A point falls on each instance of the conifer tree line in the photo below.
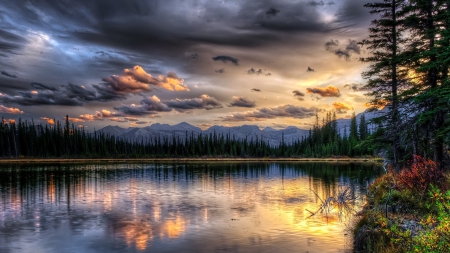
(24, 139)
(409, 43)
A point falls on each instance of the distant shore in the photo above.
(207, 159)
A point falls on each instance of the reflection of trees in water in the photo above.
(79, 193)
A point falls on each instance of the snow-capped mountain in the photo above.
(251, 132)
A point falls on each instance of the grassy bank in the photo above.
(407, 211)
(203, 159)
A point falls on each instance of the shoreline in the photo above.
(209, 159)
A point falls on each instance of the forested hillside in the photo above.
(25, 139)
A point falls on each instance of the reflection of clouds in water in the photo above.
(140, 234)
(140, 207)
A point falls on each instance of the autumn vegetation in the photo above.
(408, 209)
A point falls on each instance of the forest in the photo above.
(24, 139)
(409, 45)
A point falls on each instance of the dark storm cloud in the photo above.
(8, 74)
(148, 106)
(346, 51)
(132, 81)
(204, 102)
(329, 91)
(272, 12)
(169, 28)
(41, 97)
(9, 41)
(284, 111)
(242, 102)
(79, 92)
(69, 95)
(225, 59)
(299, 95)
(256, 90)
(40, 86)
(353, 14)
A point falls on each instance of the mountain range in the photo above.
(251, 132)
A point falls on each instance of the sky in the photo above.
(271, 63)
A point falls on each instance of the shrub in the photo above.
(420, 175)
(436, 237)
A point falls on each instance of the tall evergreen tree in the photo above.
(385, 76)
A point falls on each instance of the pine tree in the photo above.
(385, 76)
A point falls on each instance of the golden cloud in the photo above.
(329, 91)
(48, 120)
(341, 107)
(4, 109)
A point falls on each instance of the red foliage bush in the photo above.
(420, 175)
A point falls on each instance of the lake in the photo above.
(179, 207)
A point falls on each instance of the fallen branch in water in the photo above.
(342, 200)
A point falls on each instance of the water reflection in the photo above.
(175, 207)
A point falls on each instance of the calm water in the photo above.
(214, 207)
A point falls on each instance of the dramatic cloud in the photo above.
(136, 80)
(354, 86)
(226, 59)
(152, 105)
(48, 120)
(40, 86)
(133, 81)
(10, 110)
(242, 102)
(346, 51)
(8, 74)
(299, 95)
(79, 93)
(204, 102)
(272, 12)
(40, 97)
(103, 53)
(341, 108)
(148, 106)
(290, 111)
(310, 70)
(329, 91)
